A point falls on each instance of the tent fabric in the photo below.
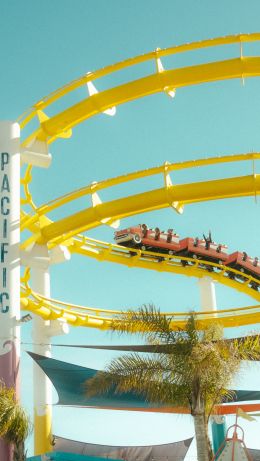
(150, 348)
(68, 380)
(167, 452)
(61, 456)
(255, 454)
(67, 456)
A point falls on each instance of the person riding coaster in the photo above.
(205, 249)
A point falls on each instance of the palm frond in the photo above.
(247, 348)
(194, 368)
(19, 427)
(14, 423)
(148, 322)
(149, 377)
(127, 373)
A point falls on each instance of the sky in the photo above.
(45, 45)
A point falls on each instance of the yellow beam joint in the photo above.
(177, 206)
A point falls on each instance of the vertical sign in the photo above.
(5, 225)
(9, 259)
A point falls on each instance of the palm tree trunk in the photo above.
(201, 436)
(19, 452)
(210, 451)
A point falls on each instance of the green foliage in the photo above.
(195, 369)
(148, 322)
(14, 423)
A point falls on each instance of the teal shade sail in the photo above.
(69, 380)
(60, 456)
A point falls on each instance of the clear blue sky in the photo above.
(47, 44)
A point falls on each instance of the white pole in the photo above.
(209, 303)
(207, 294)
(42, 387)
(39, 258)
(9, 259)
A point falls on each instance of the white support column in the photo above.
(40, 259)
(207, 294)
(37, 154)
(209, 303)
(42, 387)
(9, 260)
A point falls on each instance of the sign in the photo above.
(4, 230)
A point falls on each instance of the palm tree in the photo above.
(14, 423)
(189, 367)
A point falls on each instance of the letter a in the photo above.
(5, 184)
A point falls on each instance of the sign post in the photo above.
(9, 260)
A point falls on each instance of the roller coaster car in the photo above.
(203, 249)
(148, 239)
(244, 263)
(169, 242)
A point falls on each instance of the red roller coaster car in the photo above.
(205, 249)
(169, 242)
(246, 264)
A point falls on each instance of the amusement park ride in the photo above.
(203, 249)
(45, 242)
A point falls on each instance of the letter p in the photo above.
(4, 160)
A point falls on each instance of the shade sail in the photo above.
(255, 454)
(150, 348)
(68, 456)
(68, 380)
(63, 456)
(166, 452)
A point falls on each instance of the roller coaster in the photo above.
(55, 117)
(100, 318)
(68, 231)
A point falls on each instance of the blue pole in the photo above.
(219, 429)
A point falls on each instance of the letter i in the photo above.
(5, 229)
(4, 277)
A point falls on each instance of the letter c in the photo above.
(5, 211)
(4, 308)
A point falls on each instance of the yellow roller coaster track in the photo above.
(67, 231)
